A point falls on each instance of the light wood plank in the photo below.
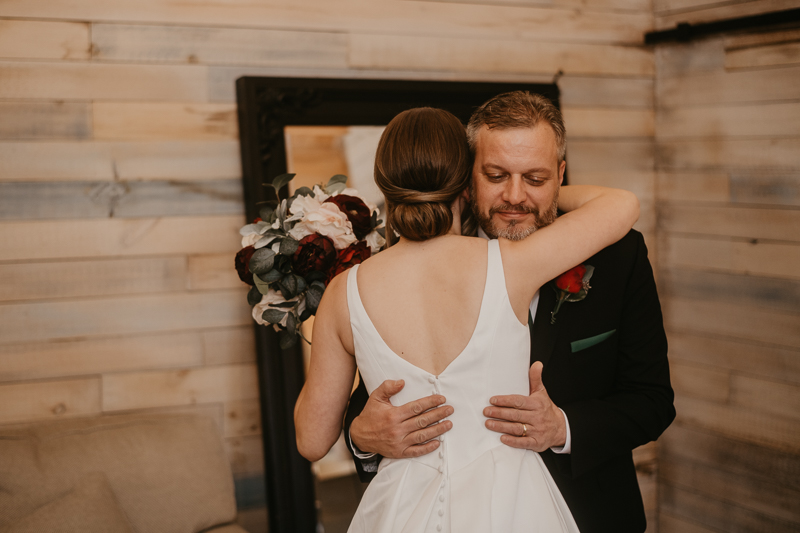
(764, 56)
(707, 11)
(714, 154)
(246, 455)
(79, 161)
(593, 122)
(71, 279)
(594, 5)
(49, 399)
(229, 345)
(606, 92)
(668, 523)
(157, 388)
(119, 237)
(774, 119)
(719, 87)
(769, 498)
(757, 186)
(147, 121)
(774, 362)
(693, 186)
(610, 156)
(700, 382)
(32, 39)
(696, 57)
(242, 418)
(438, 53)
(380, 16)
(736, 256)
(772, 397)
(218, 46)
(37, 360)
(45, 120)
(124, 315)
(730, 320)
(180, 198)
(97, 81)
(739, 41)
(208, 410)
(743, 222)
(53, 200)
(213, 272)
(640, 183)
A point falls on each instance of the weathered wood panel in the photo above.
(700, 382)
(213, 272)
(693, 186)
(714, 154)
(180, 198)
(759, 359)
(699, 11)
(737, 256)
(611, 92)
(471, 55)
(128, 315)
(668, 523)
(218, 46)
(383, 16)
(594, 5)
(36, 360)
(745, 186)
(731, 320)
(242, 418)
(764, 56)
(764, 119)
(640, 182)
(33, 39)
(146, 121)
(604, 123)
(229, 345)
(773, 397)
(610, 156)
(45, 120)
(98, 81)
(28, 241)
(49, 200)
(246, 455)
(744, 222)
(49, 399)
(76, 279)
(80, 161)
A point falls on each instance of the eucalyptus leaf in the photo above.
(289, 246)
(301, 283)
(261, 285)
(284, 305)
(262, 261)
(305, 315)
(273, 316)
(291, 322)
(303, 191)
(263, 242)
(381, 232)
(338, 178)
(253, 296)
(287, 340)
(283, 264)
(278, 182)
(272, 276)
(314, 295)
(316, 275)
(288, 286)
(266, 212)
(336, 187)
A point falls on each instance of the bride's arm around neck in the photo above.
(595, 218)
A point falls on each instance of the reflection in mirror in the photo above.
(315, 153)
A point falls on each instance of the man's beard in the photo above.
(513, 231)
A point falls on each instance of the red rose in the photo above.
(571, 280)
(350, 256)
(315, 252)
(357, 213)
(242, 263)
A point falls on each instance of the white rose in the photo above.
(319, 194)
(327, 220)
(303, 205)
(275, 297)
(375, 242)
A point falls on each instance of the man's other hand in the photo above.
(532, 422)
(409, 430)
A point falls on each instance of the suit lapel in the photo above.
(543, 333)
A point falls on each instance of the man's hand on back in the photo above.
(410, 430)
(532, 422)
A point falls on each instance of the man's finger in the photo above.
(515, 401)
(507, 413)
(514, 429)
(431, 432)
(420, 449)
(427, 418)
(535, 376)
(417, 407)
(387, 389)
(526, 443)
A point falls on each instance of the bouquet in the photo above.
(298, 245)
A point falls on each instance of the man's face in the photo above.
(515, 180)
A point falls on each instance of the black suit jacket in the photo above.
(616, 393)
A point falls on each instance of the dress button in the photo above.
(431, 380)
(441, 497)
(441, 469)
(441, 455)
(441, 512)
(439, 527)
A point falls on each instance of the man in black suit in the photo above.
(602, 387)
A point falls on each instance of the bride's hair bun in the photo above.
(422, 164)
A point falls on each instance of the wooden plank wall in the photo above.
(728, 201)
(119, 172)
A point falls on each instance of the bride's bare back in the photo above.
(424, 298)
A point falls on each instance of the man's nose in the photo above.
(514, 192)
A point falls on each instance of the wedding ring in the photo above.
(524, 430)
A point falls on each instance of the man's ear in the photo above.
(465, 194)
(561, 168)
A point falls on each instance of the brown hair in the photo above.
(422, 164)
(518, 109)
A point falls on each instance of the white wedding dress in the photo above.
(473, 482)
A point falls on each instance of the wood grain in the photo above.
(28, 241)
(36, 360)
(33, 39)
(49, 399)
(604, 123)
(123, 315)
(773, 397)
(755, 223)
(594, 5)
(80, 279)
(700, 382)
(693, 186)
(610, 156)
(765, 119)
(668, 523)
(229, 345)
(242, 418)
(147, 121)
(45, 120)
(213, 271)
(606, 92)
(156, 388)
(246, 455)
(764, 56)
(716, 154)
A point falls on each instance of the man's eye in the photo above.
(495, 176)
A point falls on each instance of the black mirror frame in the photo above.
(265, 106)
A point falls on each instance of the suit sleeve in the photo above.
(366, 469)
(640, 405)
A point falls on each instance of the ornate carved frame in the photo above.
(265, 107)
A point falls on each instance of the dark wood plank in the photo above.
(45, 120)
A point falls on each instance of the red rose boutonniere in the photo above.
(572, 286)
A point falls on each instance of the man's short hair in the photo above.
(518, 109)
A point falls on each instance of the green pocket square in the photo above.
(582, 344)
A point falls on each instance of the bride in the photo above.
(448, 315)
